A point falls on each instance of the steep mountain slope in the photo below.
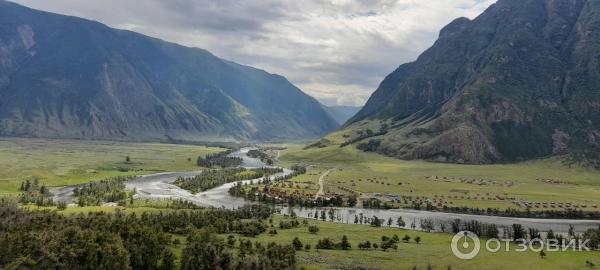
(341, 114)
(520, 81)
(68, 77)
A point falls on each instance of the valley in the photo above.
(336, 163)
(534, 186)
(123, 151)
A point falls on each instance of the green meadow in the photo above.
(433, 250)
(547, 180)
(67, 162)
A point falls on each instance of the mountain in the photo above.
(341, 114)
(67, 77)
(520, 81)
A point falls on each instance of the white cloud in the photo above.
(335, 50)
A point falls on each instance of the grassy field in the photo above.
(500, 186)
(66, 162)
(307, 182)
(433, 250)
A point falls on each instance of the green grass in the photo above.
(434, 250)
(361, 171)
(67, 162)
(307, 182)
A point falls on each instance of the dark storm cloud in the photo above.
(336, 50)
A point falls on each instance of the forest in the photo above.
(264, 157)
(49, 240)
(220, 159)
(213, 178)
(103, 191)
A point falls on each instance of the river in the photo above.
(159, 186)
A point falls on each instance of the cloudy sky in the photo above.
(335, 50)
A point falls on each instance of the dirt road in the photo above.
(321, 179)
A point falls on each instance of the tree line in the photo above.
(206, 250)
(220, 159)
(515, 232)
(254, 193)
(263, 195)
(365, 134)
(32, 191)
(214, 178)
(296, 170)
(103, 191)
(511, 212)
(264, 157)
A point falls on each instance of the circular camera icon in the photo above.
(465, 245)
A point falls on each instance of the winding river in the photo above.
(159, 186)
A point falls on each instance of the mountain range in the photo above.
(489, 90)
(67, 77)
(520, 81)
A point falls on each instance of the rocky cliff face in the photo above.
(67, 77)
(520, 81)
